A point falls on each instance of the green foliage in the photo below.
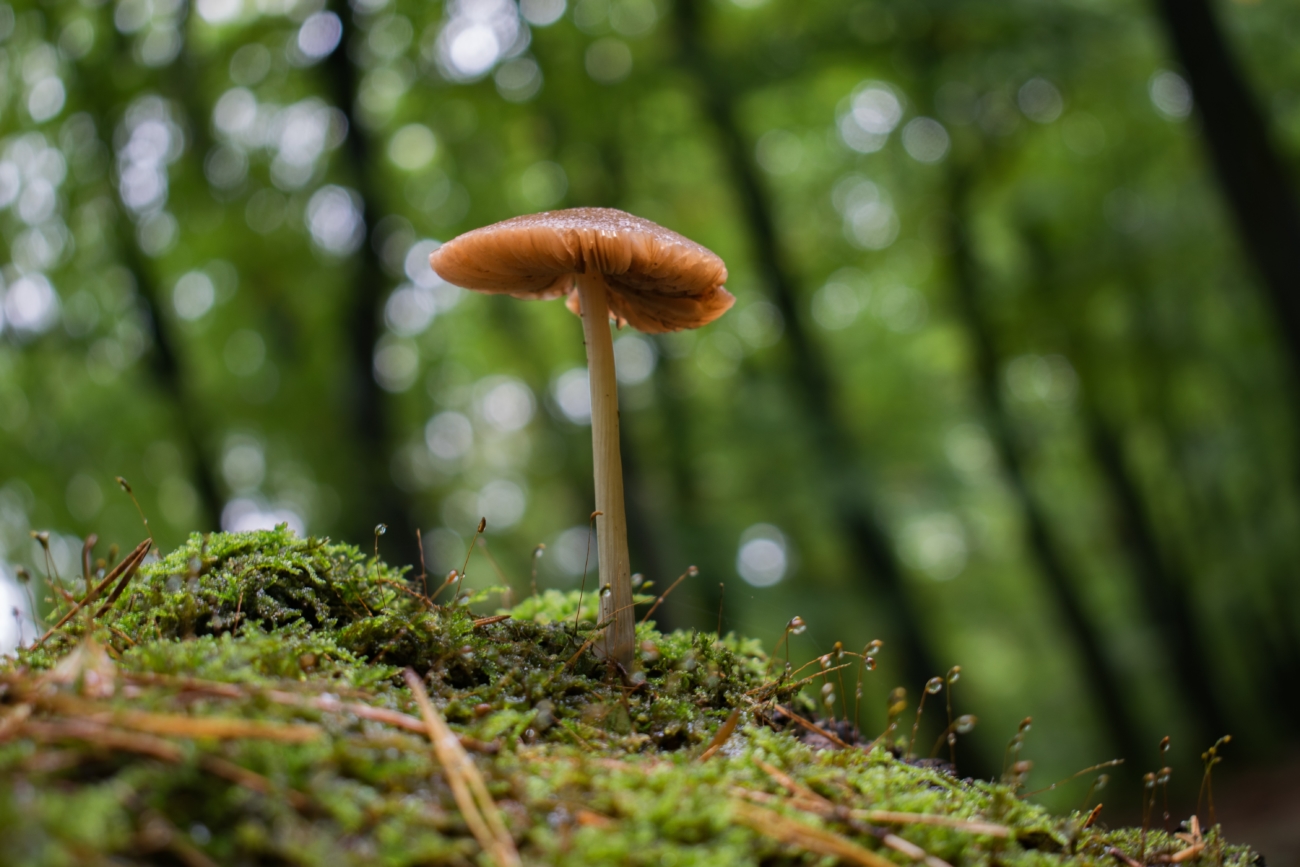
(589, 766)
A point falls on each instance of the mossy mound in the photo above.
(243, 702)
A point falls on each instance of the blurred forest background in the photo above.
(1012, 380)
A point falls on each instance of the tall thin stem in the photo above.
(611, 524)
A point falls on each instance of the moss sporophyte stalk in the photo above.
(260, 698)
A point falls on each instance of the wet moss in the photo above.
(101, 759)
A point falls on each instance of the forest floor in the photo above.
(264, 699)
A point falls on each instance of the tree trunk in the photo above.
(164, 360)
(1163, 588)
(1097, 669)
(378, 499)
(1254, 180)
(850, 496)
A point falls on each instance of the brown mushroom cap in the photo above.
(659, 281)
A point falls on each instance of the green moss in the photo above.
(590, 765)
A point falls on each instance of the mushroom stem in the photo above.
(611, 524)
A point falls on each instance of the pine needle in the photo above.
(889, 817)
(476, 805)
(724, 733)
(813, 727)
(772, 824)
(177, 725)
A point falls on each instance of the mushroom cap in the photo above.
(659, 281)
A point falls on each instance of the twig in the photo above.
(476, 805)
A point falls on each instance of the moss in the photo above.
(99, 762)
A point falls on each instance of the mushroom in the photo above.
(611, 266)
